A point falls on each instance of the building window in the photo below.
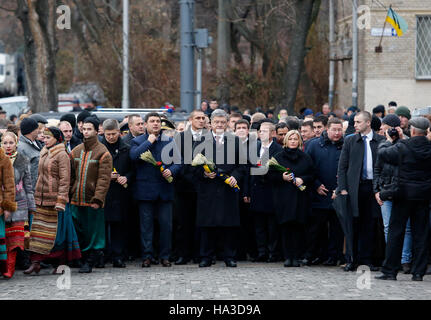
(423, 47)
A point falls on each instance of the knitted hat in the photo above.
(94, 121)
(28, 125)
(69, 117)
(420, 123)
(392, 120)
(403, 111)
(82, 115)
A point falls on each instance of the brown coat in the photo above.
(7, 184)
(91, 165)
(52, 187)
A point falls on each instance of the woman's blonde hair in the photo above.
(290, 133)
(10, 134)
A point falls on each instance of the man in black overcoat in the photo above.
(355, 177)
(217, 201)
(119, 195)
(246, 236)
(187, 236)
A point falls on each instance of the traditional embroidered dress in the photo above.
(53, 236)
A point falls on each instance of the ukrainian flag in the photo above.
(399, 24)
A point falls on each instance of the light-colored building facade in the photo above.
(401, 72)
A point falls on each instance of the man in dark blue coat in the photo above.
(325, 152)
(154, 193)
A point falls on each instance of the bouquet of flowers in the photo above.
(147, 156)
(115, 171)
(273, 164)
(209, 167)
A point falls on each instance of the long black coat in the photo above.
(350, 168)
(261, 199)
(217, 202)
(291, 204)
(118, 198)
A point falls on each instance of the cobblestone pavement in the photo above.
(249, 281)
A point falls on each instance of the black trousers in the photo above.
(246, 238)
(418, 212)
(291, 237)
(133, 239)
(186, 233)
(115, 240)
(364, 225)
(209, 237)
(267, 233)
(324, 235)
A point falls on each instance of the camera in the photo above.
(393, 133)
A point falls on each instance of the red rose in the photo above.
(159, 163)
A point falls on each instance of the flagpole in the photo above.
(379, 49)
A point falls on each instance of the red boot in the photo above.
(11, 260)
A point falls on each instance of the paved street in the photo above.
(248, 281)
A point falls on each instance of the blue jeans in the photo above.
(148, 210)
(406, 256)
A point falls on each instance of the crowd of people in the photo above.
(338, 188)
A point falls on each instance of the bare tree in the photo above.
(306, 12)
(38, 19)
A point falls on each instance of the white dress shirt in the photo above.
(369, 155)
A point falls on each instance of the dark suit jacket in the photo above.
(186, 146)
(128, 138)
(350, 166)
(261, 187)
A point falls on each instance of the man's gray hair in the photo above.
(110, 124)
(219, 113)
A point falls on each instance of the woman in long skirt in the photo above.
(24, 196)
(52, 235)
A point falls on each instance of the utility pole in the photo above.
(198, 79)
(125, 102)
(355, 54)
(331, 54)
(187, 54)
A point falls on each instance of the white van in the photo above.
(14, 105)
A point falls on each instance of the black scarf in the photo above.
(291, 154)
(112, 147)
